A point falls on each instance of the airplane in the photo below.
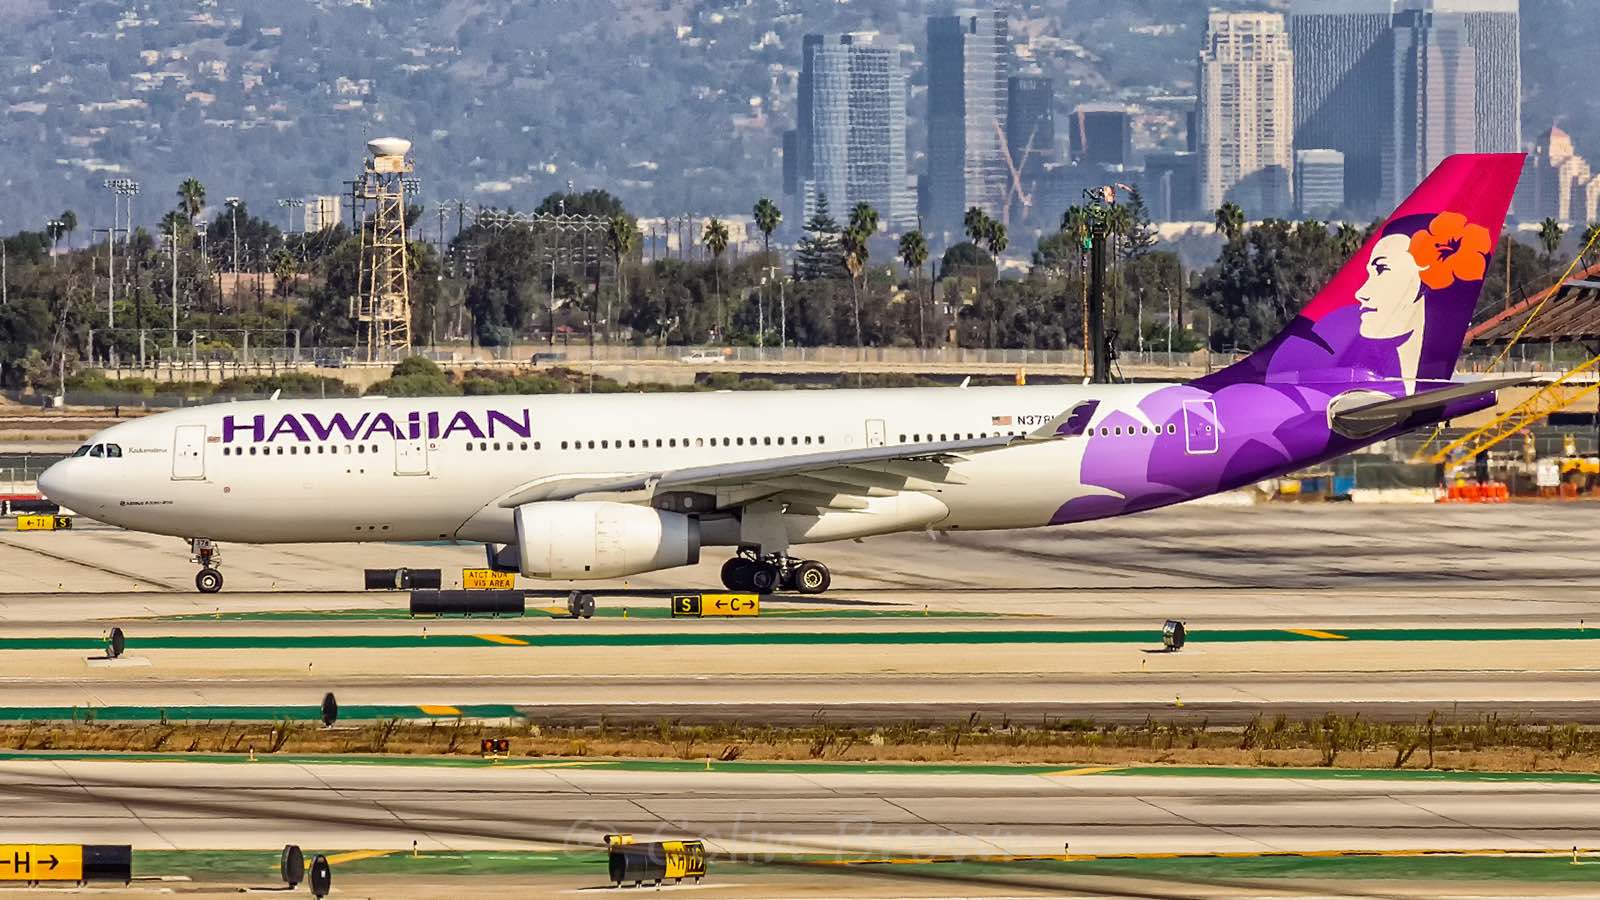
(585, 487)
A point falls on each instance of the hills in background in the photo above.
(674, 105)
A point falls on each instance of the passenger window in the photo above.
(822, 439)
(808, 438)
(699, 442)
(252, 451)
(780, 440)
(766, 441)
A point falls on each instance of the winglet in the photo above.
(1072, 422)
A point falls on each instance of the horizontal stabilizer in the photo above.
(1362, 413)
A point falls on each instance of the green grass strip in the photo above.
(689, 637)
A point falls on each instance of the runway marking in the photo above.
(354, 855)
(439, 710)
(1319, 635)
(576, 764)
(502, 639)
(1087, 770)
(1221, 854)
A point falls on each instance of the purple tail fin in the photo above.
(1398, 310)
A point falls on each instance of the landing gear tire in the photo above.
(811, 577)
(208, 581)
(736, 574)
(764, 577)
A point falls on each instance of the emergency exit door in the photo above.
(189, 453)
(1200, 426)
(875, 433)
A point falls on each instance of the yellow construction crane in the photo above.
(1552, 398)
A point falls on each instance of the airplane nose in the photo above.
(50, 482)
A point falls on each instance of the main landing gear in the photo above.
(205, 553)
(774, 572)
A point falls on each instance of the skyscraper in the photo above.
(1319, 182)
(1030, 138)
(1494, 31)
(1435, 97)
(1101, 134)
(1343, 86)
(857, 125)
(968, 60)
(1246, 113)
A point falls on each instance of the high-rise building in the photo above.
(323, 211)
(1494, 32)
(1246, 113)
(1435, 94)
(1319, 182)
(968, 61)
(1558, 183)
(1101, 134)
(1343, 86)
(1171, 186)
(857, 126)
(1030, 139)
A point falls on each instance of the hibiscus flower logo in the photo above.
(1451, 249)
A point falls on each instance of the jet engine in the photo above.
(588, 540)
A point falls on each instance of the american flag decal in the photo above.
(1000, 420)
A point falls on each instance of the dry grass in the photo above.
(1487, 744)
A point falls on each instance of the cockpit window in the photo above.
(81, 451)
(114, 451)
(98, 450)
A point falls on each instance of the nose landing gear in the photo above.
(774, 572)
(202, 551)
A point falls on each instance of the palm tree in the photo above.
(191, 198)
(1075, 222)
(1591, 237)
(975, 223)
(283, 270)
(1347, 239)
(767, 216)
(997, 239)
(622, 235)
(914, 253)
(715, 238)
(1550, 233)
(863, 225)
(69, 224)
(1230, 220)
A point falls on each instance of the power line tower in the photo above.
(382, 306)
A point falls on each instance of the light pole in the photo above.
(55, 226)
(233, 207)
(172, 238)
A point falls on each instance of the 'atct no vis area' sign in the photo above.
(66, 862)
(705, 606)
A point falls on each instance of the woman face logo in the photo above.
(1391, 299)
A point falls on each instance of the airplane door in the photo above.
(189, 453)
(1200, 426)
(410, 457)
(875, 435)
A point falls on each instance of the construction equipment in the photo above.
(1552, 398)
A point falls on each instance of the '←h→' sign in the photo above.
(41, 862)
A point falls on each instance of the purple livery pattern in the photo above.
(1391, 322)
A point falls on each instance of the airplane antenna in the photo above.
(966, 381)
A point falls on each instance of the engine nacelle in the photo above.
(587, 540)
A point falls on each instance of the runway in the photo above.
(755, 814)
(1291, 610)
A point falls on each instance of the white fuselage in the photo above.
(436, 468)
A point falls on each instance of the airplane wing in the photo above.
(1363, 413)
(831, 479)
